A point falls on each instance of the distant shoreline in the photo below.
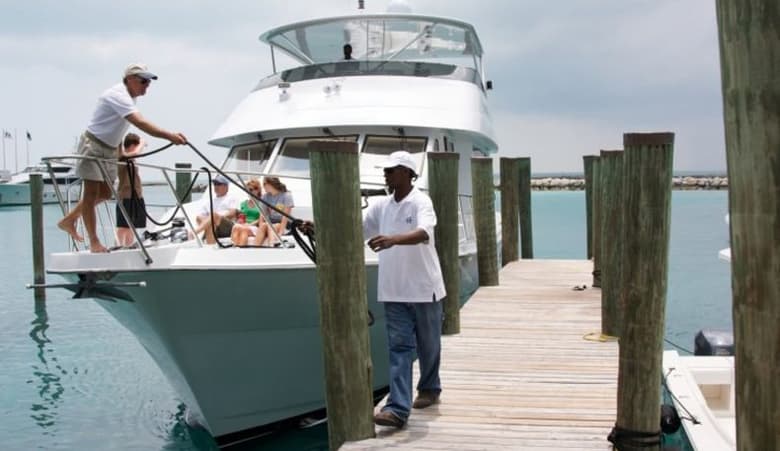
(577, 183)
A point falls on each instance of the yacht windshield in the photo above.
(380, 38)
(249, 158)
(293, 159)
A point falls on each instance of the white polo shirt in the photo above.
(222, 204)
(407, 273)
(108, 122)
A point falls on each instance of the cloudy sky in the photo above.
(570, 76)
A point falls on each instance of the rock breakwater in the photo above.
(678, 182)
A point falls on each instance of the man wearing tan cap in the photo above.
(113, 115)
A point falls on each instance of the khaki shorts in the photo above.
(89, 146)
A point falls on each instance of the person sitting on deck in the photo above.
(251, 225)
(225, 207)
(276, 194)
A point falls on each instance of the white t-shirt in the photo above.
(407, 273)
(108, 122)
(222, 205)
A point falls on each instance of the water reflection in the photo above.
(47, 374)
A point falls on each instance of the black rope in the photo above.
(678, 346)
(131, 171)
(690, 416)
(621, 437)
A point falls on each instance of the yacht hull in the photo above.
(242, 348)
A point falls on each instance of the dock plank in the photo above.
(521, 374)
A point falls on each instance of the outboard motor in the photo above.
(713, 342)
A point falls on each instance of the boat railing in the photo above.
(106, 218)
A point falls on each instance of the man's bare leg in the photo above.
(68, 222)
(94, 193)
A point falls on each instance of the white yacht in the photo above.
(236, 330)
(15, 188)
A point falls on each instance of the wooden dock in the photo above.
(520, 375)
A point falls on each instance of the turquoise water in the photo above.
(72, 378)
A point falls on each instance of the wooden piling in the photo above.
(443, 186)
(647, 165)
(526, 232)
(484, 206)
(611, 175)
(510, 209)
(588, 162)
(597, 217)
(341, 282)
(183, 180)
(749, 58)
(36, 221)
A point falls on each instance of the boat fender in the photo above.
(670, 419)
(713, 342)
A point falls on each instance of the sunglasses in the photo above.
(144, 81)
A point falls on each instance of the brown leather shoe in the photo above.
(425, 399)
(387, 418)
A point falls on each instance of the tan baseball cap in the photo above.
(140, 70)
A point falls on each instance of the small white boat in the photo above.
(703, 394)
(15, 190)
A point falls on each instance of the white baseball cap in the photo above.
(400, 158)
(140, 70)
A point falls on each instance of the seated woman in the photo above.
(250, 208)
(276, 194)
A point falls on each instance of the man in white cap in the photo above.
(410, 285)
(112, 117)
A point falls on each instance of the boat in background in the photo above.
(725, 254)
(236, 330)
(15, 189)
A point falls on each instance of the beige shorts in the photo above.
(89, 146)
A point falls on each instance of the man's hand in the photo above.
(306, 227)
(177, 138)
(381, 242)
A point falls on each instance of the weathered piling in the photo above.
(611, 175)
(443, 186)
(526, 232)
(36, 222)
(749, 58)
(484, 207)
(647, 165)
(588, 162)
(597, 217)
(341, 282)
(183, 180)
(510, 209)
